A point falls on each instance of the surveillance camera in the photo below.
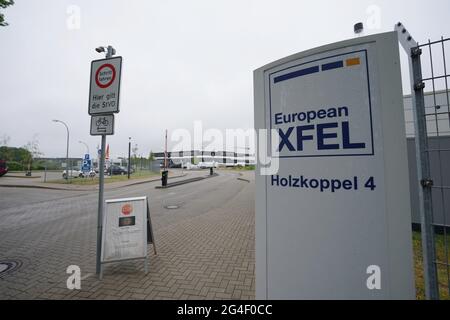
(358, 27)
(100, 49)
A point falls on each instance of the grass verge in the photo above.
(418, 266)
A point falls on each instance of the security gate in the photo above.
(430, 118)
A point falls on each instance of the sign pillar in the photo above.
(333, 216)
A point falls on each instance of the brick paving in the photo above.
(206, 252)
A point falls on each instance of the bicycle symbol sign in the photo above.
(102, 125)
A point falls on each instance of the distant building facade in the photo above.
(222, 158)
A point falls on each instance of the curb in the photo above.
(95, 187)
(22, 177)
(242, 179)
(179, 183)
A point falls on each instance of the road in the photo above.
(205, 247)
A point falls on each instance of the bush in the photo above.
(14, 166)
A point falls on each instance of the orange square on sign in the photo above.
(352, 62)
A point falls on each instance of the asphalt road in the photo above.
(47, 230)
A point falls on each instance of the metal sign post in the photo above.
(100, 204)
(104, 95)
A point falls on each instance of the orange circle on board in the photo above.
(127, 209)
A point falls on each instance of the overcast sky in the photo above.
(183, 60)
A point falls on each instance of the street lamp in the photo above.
(67, 151)
(87, 147)
(129, 156)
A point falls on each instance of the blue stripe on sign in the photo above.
(332, 65)
(296, 74)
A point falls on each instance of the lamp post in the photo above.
(87, 147)
(67, 151)
(129, 156)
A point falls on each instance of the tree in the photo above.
(134, 150)
(151, 156)
(33, 151)
(4, 140)
(6, 152)
(3, 5)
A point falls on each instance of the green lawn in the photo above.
(418, 266)
(240, 168)
(108, 179)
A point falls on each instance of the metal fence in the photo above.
(435, 77)
(431, 119)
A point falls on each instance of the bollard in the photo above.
(164, 176)
(211, 171)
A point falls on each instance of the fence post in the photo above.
(422, 161)
(424, 176)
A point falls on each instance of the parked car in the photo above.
(174, 165)
(126, 169)
(206, 165)
(3, 168)
(90, 174)
(105, 171)
(75, 173)
(114, 170)
(170, 164)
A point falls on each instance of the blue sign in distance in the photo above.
(86, 156)
(86, 166)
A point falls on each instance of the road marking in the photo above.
(86, 276)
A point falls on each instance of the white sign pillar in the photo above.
(334, 221)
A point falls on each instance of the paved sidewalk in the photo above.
(205, 251)
(211, 257)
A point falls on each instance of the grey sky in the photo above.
(183, 60)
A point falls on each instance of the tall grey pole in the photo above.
(67, 150)
(85, 144)
(109, 53)
(67, 154)
(422, 161)
(100, 203)
(129, 156)
(424, 175)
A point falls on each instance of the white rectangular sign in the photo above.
(104, 91)
(317, 123)
(124, 229)
(102, 124)
(334, 221)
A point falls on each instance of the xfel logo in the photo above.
(314, 123)
(334, 135)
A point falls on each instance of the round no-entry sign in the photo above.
(104, 88)
(105, 75)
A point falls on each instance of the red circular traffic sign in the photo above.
(109, 78)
